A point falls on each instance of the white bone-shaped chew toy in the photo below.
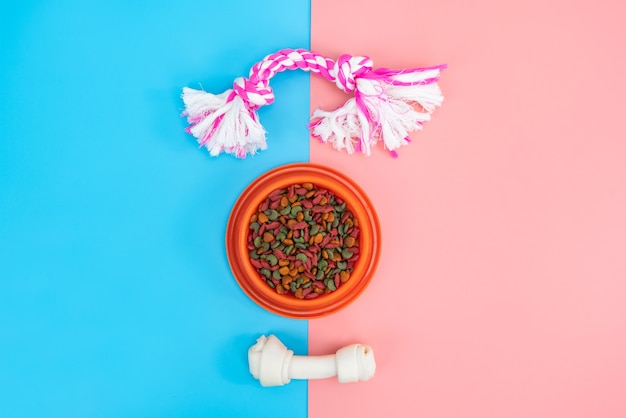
(274, 365)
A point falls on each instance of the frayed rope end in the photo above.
(388, 105)
(223, 123)
(343, 128)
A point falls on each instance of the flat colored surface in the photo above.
(502, 282)
(116, 299)
(501, 287)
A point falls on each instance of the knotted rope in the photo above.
(387, 104)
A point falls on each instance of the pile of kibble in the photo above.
(303, 241)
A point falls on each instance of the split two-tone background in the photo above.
(502, 284)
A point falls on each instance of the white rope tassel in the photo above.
(384, 108)
(221, 125)
(343, 127)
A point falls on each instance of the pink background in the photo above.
(501, 290)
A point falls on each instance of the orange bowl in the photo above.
(239, 227)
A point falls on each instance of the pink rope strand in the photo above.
(286, 59)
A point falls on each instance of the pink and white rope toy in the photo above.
(387, 104)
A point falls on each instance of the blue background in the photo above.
(116, 299)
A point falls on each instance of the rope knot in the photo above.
(347, 68)
(254, 95)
